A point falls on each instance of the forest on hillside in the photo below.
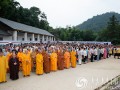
(96, 23)
(12, 10)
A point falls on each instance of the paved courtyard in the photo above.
(83, 77)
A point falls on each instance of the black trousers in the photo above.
(100, 56)
(95, 57)
(91, 57)
(107, 55)
(85, 57)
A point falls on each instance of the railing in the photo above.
(77, 42)
(111, 84)
(19, 42)
(85, 42)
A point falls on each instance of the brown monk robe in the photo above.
(43, 51)
(46, 63)
(33, 60)
(60, 59)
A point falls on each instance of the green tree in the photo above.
(112, 27)
(112, 32)
(89, 35)
(12, 10)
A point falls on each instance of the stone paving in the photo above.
(84, 77)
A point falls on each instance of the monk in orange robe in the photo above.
(53, 59)
(39, 63)
(26, 63)
(73, 58)
(20, 56)
(67, 59)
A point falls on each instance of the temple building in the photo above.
(11, 31)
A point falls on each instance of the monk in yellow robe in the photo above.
(29, 50)
(67, 59)
(3, 67)
(20, 56)
(73, 58)
(33, 59)
(110, 51)
(53, 60)
(8, 56)
(118, 52)
(26, 64)
(39, 63)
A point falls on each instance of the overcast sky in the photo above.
(61, 13)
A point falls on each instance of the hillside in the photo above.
(98, 22)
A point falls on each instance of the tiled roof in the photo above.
(23, 27)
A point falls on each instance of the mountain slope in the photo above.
(98, 22)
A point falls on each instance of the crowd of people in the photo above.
(45, 58)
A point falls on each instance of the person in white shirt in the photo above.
(89, 54)
(85, 55)
(95, 53)
(92, 54)
(79, 56)
(102, 52)
(82, 53)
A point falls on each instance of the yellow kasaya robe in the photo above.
(73, 59)
(110, 51)
(67, 59)
(8, 56)
(3, 68)
(20, 56)
(118, 51)
(29, 51)
(39, 64)
(114, 51)
(26, 64)
(53, 61)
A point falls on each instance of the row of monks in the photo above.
(45, 62)
(38, 61)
